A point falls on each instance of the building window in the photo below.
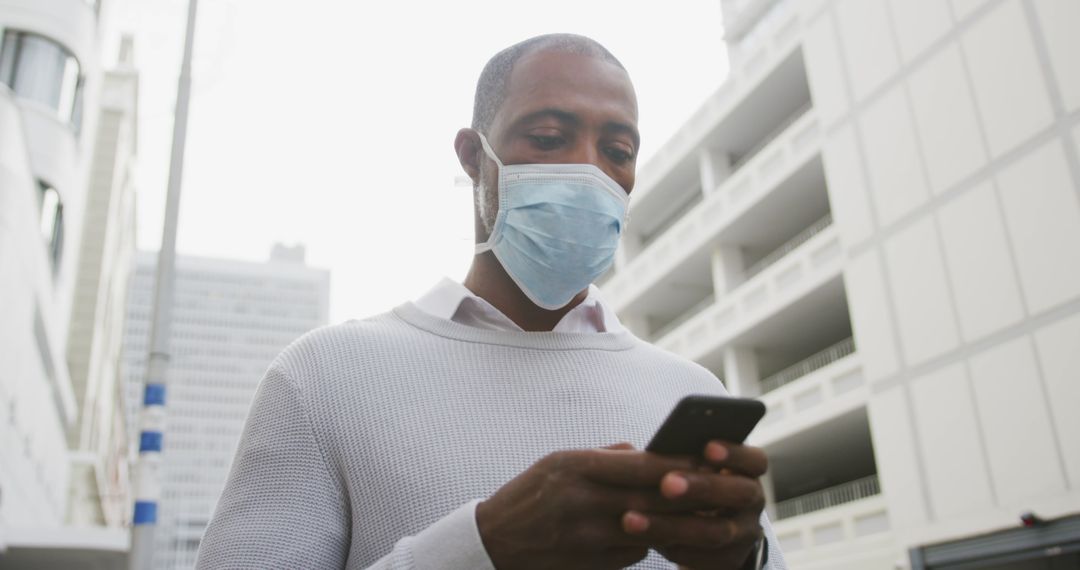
(41, 70)
(51, 222)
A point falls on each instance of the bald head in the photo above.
(492, 87)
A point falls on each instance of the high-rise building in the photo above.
(100, 485)
(230, 319)
(51, 83)
(874, 227)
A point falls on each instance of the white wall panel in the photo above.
(1019, 439)
(945, 116)
(1043, 217)
(870, 320)
(978, 262)
(1057, 348)
(867, 43)
(1076, 146)
(956, 471)
(1008, 84)
(923, 308)
(847, 190)
(918, 24)
(964, 8)
(895, 452)
(824, 72)
(892, 157)
(1060, 20)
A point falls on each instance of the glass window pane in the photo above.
(50, 203)
(56, 244)
(41, 70)
(7, 57)
(51, 222)
(68, 85)
(39, 73)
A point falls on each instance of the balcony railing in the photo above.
(827, 498)
(786, 248)
(685, 316)
(808, 365)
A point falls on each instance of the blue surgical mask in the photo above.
(557, 228)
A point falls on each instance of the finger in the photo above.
(743, 459)
(594, 534)
(628, 468)
(714, 491)
(615, 500)
(619, 446)
(666, 530)
(620, 557)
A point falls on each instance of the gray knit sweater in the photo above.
(369, 443)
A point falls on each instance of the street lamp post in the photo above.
(152, 417)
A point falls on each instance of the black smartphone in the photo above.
(697, 420)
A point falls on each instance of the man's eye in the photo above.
(619, 156)
(546, 142)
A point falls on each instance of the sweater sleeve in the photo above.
(774, 556)
(452, 542)
(283, 507)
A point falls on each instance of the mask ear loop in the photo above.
(490, 243)
(488, 151)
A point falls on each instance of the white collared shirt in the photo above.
(451, 300)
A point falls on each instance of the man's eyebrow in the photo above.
(561, 115)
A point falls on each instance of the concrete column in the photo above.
(715, 167)
(727, 269)
(770, 496)
(741, 372)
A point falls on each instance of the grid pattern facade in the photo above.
(230, 320)
(873, 226)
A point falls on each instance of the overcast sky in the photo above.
(331, 122)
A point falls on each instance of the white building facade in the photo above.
(230, 320)
(51, 80)
(874, 227)
(99, 492)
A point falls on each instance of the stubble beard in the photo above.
(487, 204)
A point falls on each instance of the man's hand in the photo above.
(721, 535)
(565, 511)
(605, 508)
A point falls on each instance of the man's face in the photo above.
(566, 108)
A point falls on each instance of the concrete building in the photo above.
(99, 492)
(230, 320)
(51, 81)
(874, 227)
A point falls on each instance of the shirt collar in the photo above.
(452, 301)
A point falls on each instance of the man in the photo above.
(478, 426)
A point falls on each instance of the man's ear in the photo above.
(468, 149)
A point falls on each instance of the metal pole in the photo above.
(152, 418)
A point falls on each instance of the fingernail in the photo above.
(674, 485)
(716, 452)
(635, 522)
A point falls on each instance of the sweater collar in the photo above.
(452, 301)
(547, 340)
